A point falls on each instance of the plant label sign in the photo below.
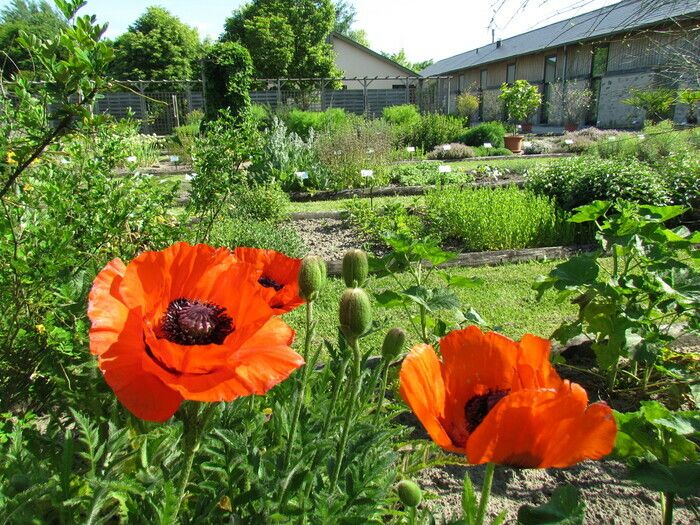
(488, 145)
(367, 173)
(302, 175)
(411, 149)
(569, 142)
(446, 147)
(445, 169)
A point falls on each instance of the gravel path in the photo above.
(328, 238)
(610, 499)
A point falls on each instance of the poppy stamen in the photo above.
(478, 407)
(270, 283)
(191, 323)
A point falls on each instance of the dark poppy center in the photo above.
(190, 323)
(478, 407)
(270, 283)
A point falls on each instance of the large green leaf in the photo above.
(580, 270)
(682, 479)
(590, 212)
(566, 507)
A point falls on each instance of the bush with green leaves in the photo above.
(402, 118)
(374, 223)
(283, 155)
(357, 145)
(486, 132)
(492, 152)
(497, 219)
(435, 129)
(576, 181)
(228, 70)
(467, 104)
(628, 311)
(261, 202)
(240, 229)
(302, 122)
(657, 103)
(426, 173)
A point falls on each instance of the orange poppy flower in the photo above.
(277, 275)
(498, 401)
(188, 322)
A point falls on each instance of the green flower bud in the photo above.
(410, 493)
(312, 277)
(355, 268)
(393, 344)
(355, 312)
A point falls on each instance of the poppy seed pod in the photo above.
(312, 277)
(410, 493)
(393, 343)
(355, 268)
(355, 312)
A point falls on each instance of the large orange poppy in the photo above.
(188, 322)
(277, 276)
(501, 401)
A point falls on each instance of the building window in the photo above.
(599, 67)
(510, 73)
(550, 76)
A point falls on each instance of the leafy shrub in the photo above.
(520, 101)
(492, 152)
(539, 147)
(477, 136)
(580, 180)
(403, 115)
(435, 129)
(260, 202)
(301, 122)
(681, 174)
(467, 104)
(456, 151)
(228, 70)
(376, 223)
(283, 154)
(656, 103)
(357, 145)
(261, 116)
(497, 219)
(425, 174)
(265, 234)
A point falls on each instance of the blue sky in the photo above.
(424, 28)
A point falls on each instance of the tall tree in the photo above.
(402, 59)
(345, 14)
(34, 18)
(158, 46)
(285, 38)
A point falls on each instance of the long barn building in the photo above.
(639, 44)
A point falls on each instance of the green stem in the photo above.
(194, 429)
(667, 499)
(485, 493)
(382, 393)
(299, 394)
(354, 391)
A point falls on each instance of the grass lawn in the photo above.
(340, 204)
(505, 300)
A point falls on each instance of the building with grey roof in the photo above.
(632, 44)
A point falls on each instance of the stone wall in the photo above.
(615, 88)
(493, 107)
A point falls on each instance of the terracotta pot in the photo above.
(570, 127)
(514, 143)
(527, 127)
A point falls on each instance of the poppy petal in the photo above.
(142, 393)
(262, 362)
(534, 369)
(106, 311)
(423, 388)
(542, 429)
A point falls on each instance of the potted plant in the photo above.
(691, 98)
(520, 100)
(575, 103)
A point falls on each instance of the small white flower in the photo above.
(641, 136)
(569, 142)
(64, 160)
(527, 144)
(367, 173)
(446, 147)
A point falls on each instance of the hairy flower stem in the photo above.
(299, 394)
(195, 426)
(355, 385)
(485, 493)
(667, 500)
(382, 393)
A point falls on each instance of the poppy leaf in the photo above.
(682, 479)
(577, 271)
(390, 299)
(590, 212)
(565, 507)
